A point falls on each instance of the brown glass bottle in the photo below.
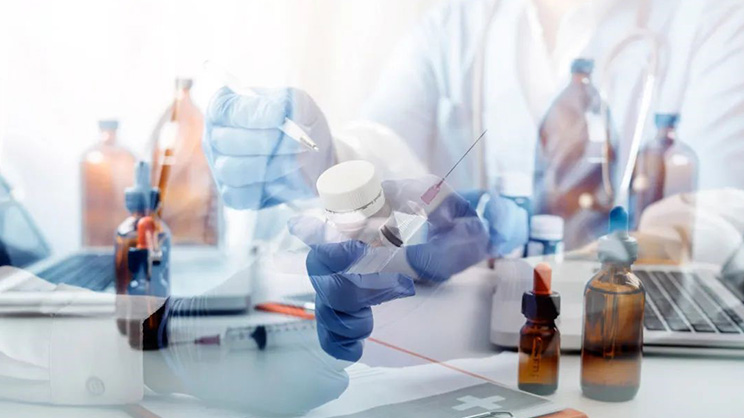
(666, 166)
(539, 338)
(614, 300)
(106, 168)
(191, 205)
(575, 159)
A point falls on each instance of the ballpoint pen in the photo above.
(290, 127)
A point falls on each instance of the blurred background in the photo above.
(65, 65)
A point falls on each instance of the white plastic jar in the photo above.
(546, 236)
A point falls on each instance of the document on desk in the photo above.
(431, 390)
(427, 390)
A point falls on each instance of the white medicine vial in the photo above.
(546, 236)
(352, 193)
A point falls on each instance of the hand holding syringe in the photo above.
(401, 226)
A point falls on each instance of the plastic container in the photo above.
(355, 203)
(546, 236)
(106, 169)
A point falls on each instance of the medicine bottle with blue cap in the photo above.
(575, 158)
(614, 302)
(666, 166)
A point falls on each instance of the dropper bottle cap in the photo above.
(141, 196)
(618, 246)
(541, 303)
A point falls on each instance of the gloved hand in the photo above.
(456, 239)
(255, 164)
(343, 300)
(507, 223)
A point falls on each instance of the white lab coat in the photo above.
(425, 94)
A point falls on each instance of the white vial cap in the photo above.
(515, 184)
(546, 227)
(352, 186)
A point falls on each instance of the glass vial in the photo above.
(614, 300)
(539, 338)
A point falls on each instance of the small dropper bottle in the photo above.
(614, 300)
(539, 338)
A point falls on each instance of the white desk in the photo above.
(452, 322)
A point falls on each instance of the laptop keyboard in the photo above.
(682, 302)
(91, 271)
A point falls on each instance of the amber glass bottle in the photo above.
(106, 170)
(180, 170)
(539, 338)
(575, 159)
(614, 301)
(666, 166)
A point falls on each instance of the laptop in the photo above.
(194, 270)
(695, 309)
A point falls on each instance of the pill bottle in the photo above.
(354, 202)
(546, 236)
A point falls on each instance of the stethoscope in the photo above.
(641, 33)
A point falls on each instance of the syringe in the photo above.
(433, 191)
(290, 127)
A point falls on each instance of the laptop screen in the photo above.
(21, 243)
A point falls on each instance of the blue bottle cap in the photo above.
(582, 66)
(108, 124)
(666, 120)
(617, 245)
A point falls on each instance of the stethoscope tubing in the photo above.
(640, 33)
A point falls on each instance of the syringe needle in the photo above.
(433, 191)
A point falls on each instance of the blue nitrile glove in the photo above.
(456, 240)
(343, 301)
(255, 164)
(507, 223)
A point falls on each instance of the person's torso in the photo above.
(521, 76)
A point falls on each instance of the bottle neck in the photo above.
(540, 322)
(108, 136)
(616, 267)
(666, 134)
(580, 78)
(183, 93)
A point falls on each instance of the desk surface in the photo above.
(452, 321)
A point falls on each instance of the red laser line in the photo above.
(431, 360)
(301, 313)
